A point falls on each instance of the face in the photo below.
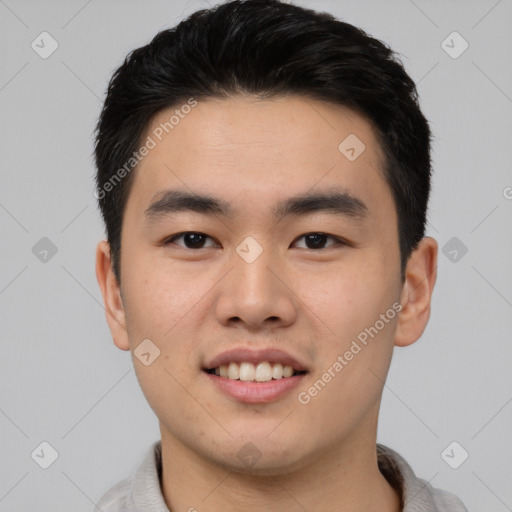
(290, 256)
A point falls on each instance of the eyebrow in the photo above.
(335, 201)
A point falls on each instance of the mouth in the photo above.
(255, 376)
(246, 371)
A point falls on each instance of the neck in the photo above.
(346, 479)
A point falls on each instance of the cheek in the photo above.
(164, 309)
(160, 294)
(357, 312)
(350, 374)
(350, 297)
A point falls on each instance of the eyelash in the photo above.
(338, 241)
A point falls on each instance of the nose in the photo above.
(257, 294)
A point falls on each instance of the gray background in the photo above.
(61, 378)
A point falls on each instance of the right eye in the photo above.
(191, 240)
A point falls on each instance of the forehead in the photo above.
(248, 150)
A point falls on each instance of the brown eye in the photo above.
(318, 240)
(191, 240)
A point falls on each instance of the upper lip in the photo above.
(244, 354)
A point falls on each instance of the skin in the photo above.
(196, 303)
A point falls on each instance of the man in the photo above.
(264, 174)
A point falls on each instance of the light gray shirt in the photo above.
(142, 493)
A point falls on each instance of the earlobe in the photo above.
(420, 278)
(112, 298)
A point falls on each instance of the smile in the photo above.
(248, 372)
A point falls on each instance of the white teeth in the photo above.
(247, 371)
(262, 372)
(277, 371)
(233, 371)
(287, 371)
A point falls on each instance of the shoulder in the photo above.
(116, 498)
(141, 491)
(417, 494)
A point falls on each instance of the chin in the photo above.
(263, 465)
(260, 456)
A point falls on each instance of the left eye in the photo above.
(317, 240)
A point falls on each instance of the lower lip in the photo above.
(256, 392)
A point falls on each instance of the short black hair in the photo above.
(266, 48)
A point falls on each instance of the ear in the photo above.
(111, 291)
(420, 278)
